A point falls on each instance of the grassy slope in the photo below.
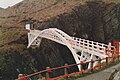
(8, 35)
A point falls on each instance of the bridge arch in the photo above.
(54, 35)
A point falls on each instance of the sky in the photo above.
(6, 3)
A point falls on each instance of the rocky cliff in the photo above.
(96, 20)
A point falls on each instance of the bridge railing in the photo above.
(49, 70)
(91, 45)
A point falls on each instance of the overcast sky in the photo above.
(6, 3)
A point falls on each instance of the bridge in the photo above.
(83, 51)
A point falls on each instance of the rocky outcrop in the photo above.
(93, 20)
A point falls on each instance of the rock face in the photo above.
(93, 20)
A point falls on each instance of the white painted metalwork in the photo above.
(81, 49)
(27, 26)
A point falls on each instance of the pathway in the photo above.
(102, 75)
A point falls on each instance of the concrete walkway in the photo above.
(102, 75)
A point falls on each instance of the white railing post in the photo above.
(83, 44)
(109, 48)
(88, 45)
(97, 46)
(92, 46)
